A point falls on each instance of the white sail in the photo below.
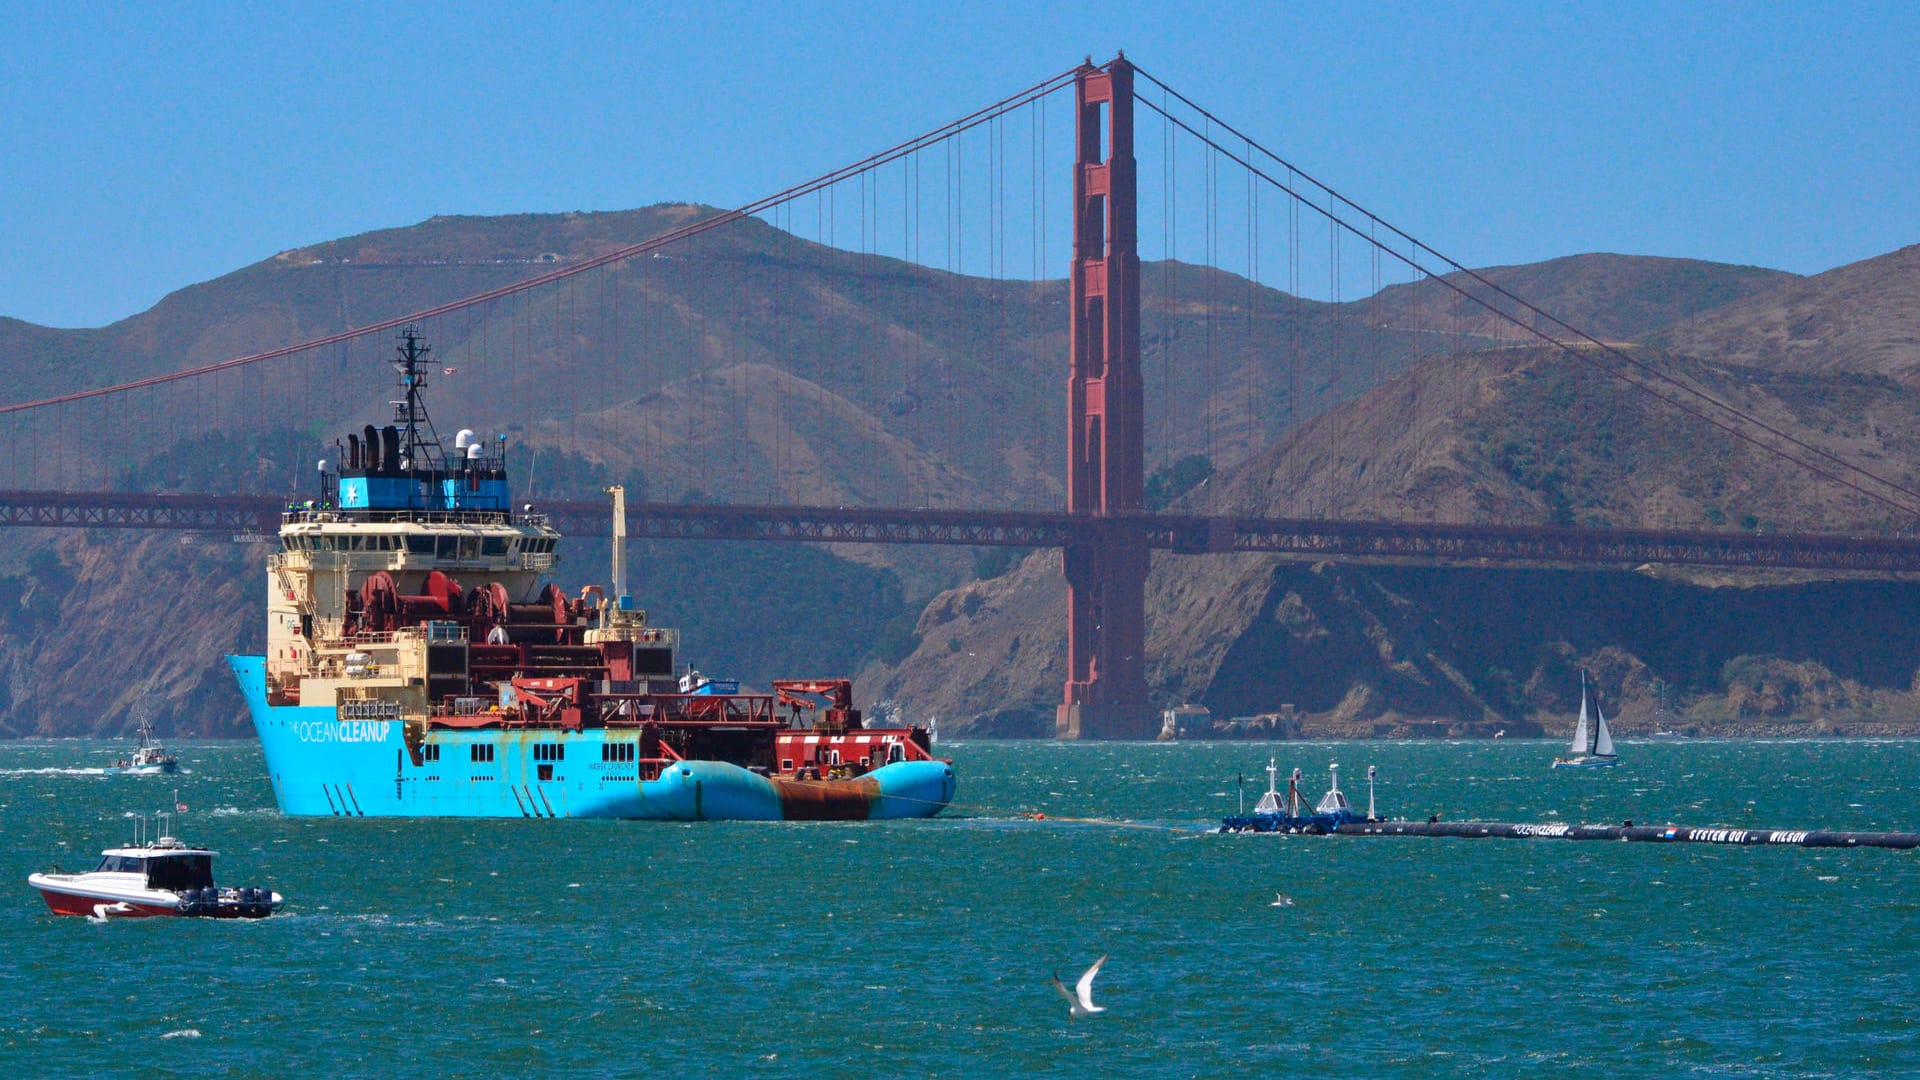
(1579, 745)
(1602, 741)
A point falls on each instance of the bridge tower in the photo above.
(1106, 567)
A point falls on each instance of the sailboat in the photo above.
(1592, 746)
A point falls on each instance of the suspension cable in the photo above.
(826, 180)
(1412, 260)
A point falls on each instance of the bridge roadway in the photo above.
(1419, 542)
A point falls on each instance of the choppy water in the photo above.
(923, 948)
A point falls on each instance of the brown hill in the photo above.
(1612, 297)
(863, 379)
(1863, 317)
(967, 369)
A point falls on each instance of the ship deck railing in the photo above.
(743, 711)
(420, 516)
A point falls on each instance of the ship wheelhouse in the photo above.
(160, 867)
(416, 589)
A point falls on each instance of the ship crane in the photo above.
(839, 716)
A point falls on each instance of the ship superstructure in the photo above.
(419, 662)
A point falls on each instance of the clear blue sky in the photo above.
(147, 147)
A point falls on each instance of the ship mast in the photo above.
(411, 412)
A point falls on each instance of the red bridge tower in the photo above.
(1106, 689)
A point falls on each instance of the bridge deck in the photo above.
(1419, 542)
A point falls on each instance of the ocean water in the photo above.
(417, 947)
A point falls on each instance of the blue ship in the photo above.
(418, 664)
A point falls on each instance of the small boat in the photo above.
(149, 758)
(1592, 746)
(159, 877)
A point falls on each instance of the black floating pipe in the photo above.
(390, 460)
(371, 461)
(353, 450)
(1654, 834)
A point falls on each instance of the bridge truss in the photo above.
(253, 518)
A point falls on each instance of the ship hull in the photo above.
(323, 766)
(65, 897)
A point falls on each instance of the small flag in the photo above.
(179, 808)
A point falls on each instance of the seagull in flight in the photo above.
(1080, 998)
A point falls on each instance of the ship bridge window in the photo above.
(180, 872)
(480, 751)
(617, 751)
(469, 547)
(549, 752)
(420, 545)
(494, 545)
(121, 864)
(449, 547)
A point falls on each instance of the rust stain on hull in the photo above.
(827, 800)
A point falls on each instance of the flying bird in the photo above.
(1080, 998)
